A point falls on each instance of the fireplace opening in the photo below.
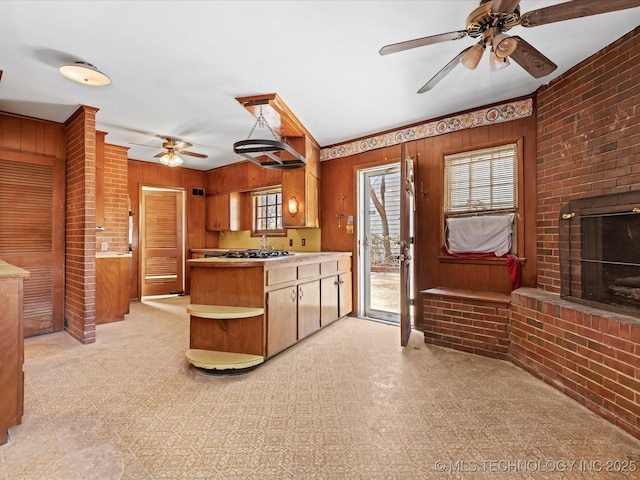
(600, 252)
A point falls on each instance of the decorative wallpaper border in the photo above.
(505, 112)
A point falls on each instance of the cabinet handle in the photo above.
(293, 295)
(301, 294)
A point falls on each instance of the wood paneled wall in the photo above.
(39, 142)
(157, 175)
(431, 270)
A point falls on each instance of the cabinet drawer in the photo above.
(281, 275)
(329, 267)
(344, 264)
(305, 271)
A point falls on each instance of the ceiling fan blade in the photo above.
(532, 60)
(191, 154)
(161, 154)
(504, 6)
(181, 144)
(443, 72)
(574, 9)
(144, 145)
(421, 42)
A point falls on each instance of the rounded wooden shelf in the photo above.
(213, 360)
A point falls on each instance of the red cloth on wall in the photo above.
(513, 263)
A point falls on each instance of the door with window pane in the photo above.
(379, 242)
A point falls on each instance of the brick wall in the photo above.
(588, 354)
(588, 140)
(80, 260)
(471, 323)
(115, 200)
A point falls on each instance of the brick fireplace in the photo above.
(588, 147)
(599, 241)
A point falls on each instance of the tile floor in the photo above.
(346, 403)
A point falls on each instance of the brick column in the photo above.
(80, 242)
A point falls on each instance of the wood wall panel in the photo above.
(340, 177)
(157, 175)
(38, 247)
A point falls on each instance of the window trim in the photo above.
(518, 224)
(280, 232)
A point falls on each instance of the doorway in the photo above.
(162, 241)
(379, 249)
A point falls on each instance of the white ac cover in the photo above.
(480, 234)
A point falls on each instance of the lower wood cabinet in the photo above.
(112, 288)
(11, 347)
(299, 294)
(308, 308)
(282, 310)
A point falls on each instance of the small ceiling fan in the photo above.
(173, 147)
(492, 19)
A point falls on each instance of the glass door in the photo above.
(379, 246)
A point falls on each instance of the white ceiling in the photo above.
(177, 66)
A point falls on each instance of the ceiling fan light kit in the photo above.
(471, 58)
(85, 73)
(494, 17)
(172, 147)
(171, 159)
(504, 45)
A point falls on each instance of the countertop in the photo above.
(112, 255)
(11, 271)
(295, 257)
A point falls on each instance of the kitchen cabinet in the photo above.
(112, 287)
(224, 212)
(218, 212)
(281, 315)
(303, 184)
(11, 347)
(291, 289)
(308, 308)
(336, 287)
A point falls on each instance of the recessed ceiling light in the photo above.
(85, 73)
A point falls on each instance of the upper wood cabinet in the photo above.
(224, 212)
(218, 212)
(304, 185)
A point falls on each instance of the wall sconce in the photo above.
(292, 206)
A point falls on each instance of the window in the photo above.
(481, 180)
(481, 199)
(267, 212)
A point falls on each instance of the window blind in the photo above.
(481, 180)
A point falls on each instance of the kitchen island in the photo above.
(299, 294)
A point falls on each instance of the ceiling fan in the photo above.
(492, 19)
(173, 147)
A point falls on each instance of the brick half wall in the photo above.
(591, 355)
(466, 320)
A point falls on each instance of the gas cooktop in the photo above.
(256, 253)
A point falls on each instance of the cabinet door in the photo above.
(329, 300)
(218, 212)
(344, 294)
(281, 319)
(308, 308)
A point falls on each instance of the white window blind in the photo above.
(481, 180)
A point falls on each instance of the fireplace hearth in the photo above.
(600, 252)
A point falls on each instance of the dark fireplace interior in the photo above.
(600, 252)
